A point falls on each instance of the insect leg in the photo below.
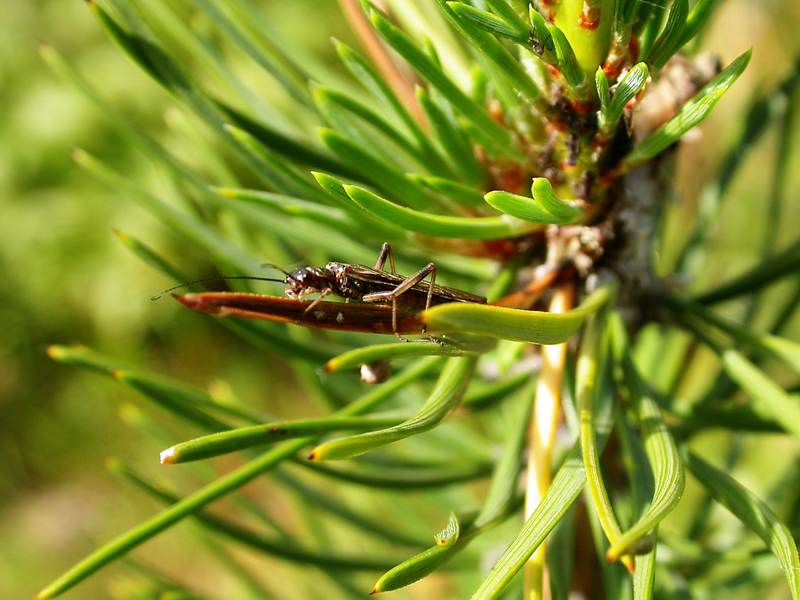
(311, 306)
(407, 284)
(386, 252)
(430, 295)
(394, 318)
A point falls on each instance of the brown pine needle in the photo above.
(400, 84)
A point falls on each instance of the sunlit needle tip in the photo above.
(113, 464)
(225, 192)
(167, 457)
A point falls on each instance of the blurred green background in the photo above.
(64, 278)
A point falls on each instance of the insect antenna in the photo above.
(207, 279)
(274, 266)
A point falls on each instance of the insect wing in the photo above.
(384, 281)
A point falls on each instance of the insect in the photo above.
(375, 285)
(404, 297)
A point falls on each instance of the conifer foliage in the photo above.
(525, 148)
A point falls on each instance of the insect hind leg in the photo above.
(408, 283)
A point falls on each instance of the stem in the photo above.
(544, 422)
(587, 26)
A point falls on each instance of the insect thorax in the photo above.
(342, 284)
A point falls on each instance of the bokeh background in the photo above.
(65, 278)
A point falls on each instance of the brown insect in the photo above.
(404, 297)
(375, 285)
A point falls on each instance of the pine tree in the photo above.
(527, 150)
